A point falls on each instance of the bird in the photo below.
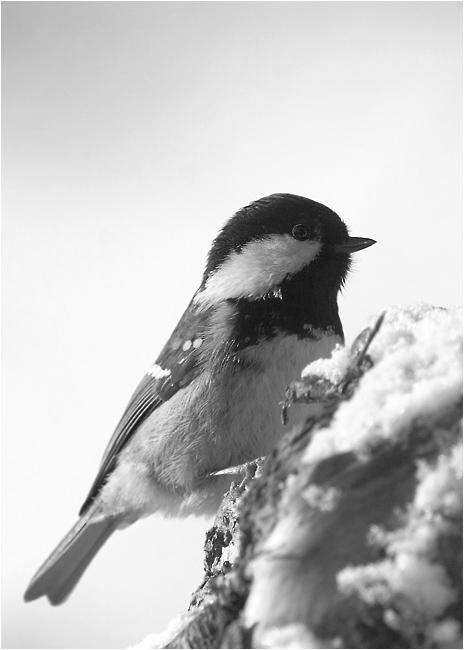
(266, 307)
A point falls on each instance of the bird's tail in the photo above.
(61, 572)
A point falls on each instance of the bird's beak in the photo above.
(353, 244)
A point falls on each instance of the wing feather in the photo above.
(176, 366)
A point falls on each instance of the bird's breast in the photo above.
(229, 415)
(243, 406)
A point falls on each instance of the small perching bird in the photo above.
(266, 307)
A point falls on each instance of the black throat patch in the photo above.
(304, 304)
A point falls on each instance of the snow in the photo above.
(160, 640)
(440, 486)
(416, 377)
(333, 369)
(418, 372)
(411, 583)
(324, 499)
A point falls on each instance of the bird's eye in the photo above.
(301, 232)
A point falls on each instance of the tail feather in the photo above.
(61, 572)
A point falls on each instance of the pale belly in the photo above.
(230, 419)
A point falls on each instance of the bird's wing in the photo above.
(176, 366)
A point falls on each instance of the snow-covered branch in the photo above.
(350, 534)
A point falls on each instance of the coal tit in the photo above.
(265, 308)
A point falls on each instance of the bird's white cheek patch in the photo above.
(258, 268)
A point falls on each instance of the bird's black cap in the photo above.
(275, 214)
(307, 299)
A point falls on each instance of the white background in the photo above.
(131, 132)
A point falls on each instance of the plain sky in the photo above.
(131, 131)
